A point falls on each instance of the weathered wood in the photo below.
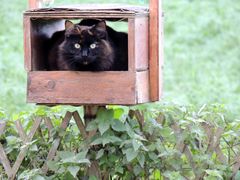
(90, 112)
(58, 87)
(21, 131)
(5, 162)
(131, 45)
(80, 124)
(154, 64)
(32, 4)
(27, 44)
(142, 83)
(56, 142)
(49, 125)
(141, 43)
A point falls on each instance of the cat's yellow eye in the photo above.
(77, 46)
(93, 46)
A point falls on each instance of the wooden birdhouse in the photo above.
(141, 83)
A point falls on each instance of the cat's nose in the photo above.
(85, 53)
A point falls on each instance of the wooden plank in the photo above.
(21, 131)
(5, 162)
(143, 86)
(69, 87)
(81, 16)
(154, 50)
(27, 44)
(49, 125)
(131, 45)
(141, 42)
(32, 4)
(161, 48)
(80, 124)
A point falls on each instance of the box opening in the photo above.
(43, 30)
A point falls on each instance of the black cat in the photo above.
(88, 46)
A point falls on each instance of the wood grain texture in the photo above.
(161, 48)
(141, 43)
(154, 51)
(131, 45)
(142, 84)
(27, 44)
(32, 4)
(65, 87)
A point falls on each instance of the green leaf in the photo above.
(119, 169)
(110, 139)
(68, 176)
(79, 158)
(92, 126)
(97, 141)
(104, 117)
(65, 154)
(131, 154)
(141, 159)
(73, 170)
(137, 170)
(118, 113)
(237, 176)
(100, 153)
(214, 173)
(136, 144)
(103, 126)
(38, 177)
(118, 126)
(92, 178)
(52, 165)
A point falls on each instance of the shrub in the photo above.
(148, 142)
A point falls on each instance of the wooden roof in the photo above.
(90, 10)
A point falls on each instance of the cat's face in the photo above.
(85, 44)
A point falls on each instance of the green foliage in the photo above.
(129, 144)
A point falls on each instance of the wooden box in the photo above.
(140, 84)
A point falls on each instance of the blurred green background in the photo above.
(201, 46)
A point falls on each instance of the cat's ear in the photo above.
(101, 26)
(68, 24)
(100, 30)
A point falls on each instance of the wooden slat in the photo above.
(21, 131)
(32, 4)
(141, 42)
(58, 87)
(80, 124)
(49, 125)
(57, 141)
(131, 45)
(154, 50)
(5, 162)
(27, 44)
(82, 16)
(142, 84)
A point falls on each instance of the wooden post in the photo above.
(90, 112)
(155, 37)
(34, 4)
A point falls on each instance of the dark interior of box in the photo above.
(42, 31)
